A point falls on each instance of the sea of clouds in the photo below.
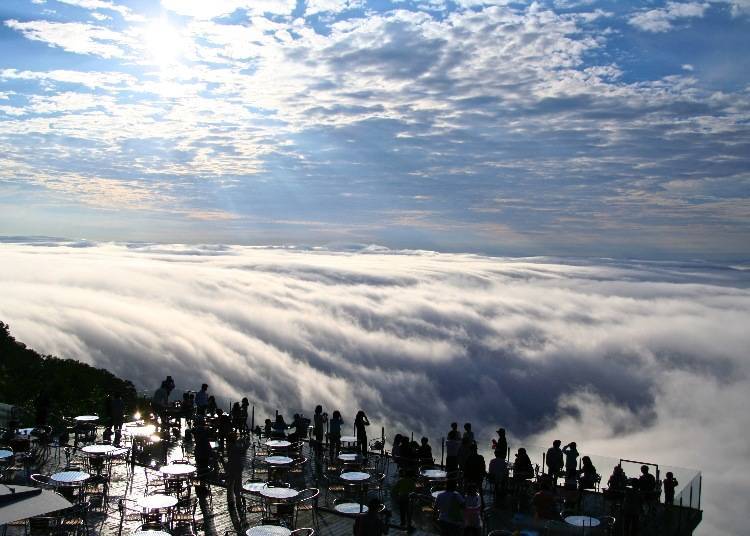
(644, 360)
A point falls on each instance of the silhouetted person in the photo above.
(474, 467)
(159, 404)
(370, 524)
(187, 408)
(402, 489)
(669, 484)
(268, 428)
(202, 450)
(360, 426)
(497, 473)
(117, 415)
(396, 450)
(450, 506)
(334, 434)
(545, 504)
(468, 433)
(41, 408)
(169, 385)
(571, 459)
(279, 427)
(244, 428)
(522, 468)
(463, 451)
(223, 427)
(554, 459)
(616, 484)
(201, 399)
(587, 475)
(425, 452)
(236, 452)
(211, 407)
(236, 414)
(501, 445)
(452, 446)
(319, 426)
(647, 481)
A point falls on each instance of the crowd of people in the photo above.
(459, 505)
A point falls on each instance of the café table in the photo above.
(278, 460)
(157, 501)
(278, 444)
(70, 478)
(348, 439)
(268, 530)
(348, 457)
(99, 450)
(434, 474)
(178, 470)
(351, 508)
(86, 418)
(151, 532)
(278, 493)
(582, 521)
(254, 487)
(355, 476)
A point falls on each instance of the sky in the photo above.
(563, 127)
(645, 360)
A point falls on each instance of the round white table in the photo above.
(86, 418)
(70, 477)
(5, 454)
(254, 487)
(279, 460)
(99, 450)
(268, 530)
(582, 521)
(142, 430)
(157, 502)
(279, 493)
(351, 508)
(348, 439)
(278, 444)
(434, 474)
(178, 469)
(151, 533)
(355, 476)
(348, 457)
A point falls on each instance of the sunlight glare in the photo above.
(164, 44)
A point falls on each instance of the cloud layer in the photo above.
(490, 126)
(642, 360)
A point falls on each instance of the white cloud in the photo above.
(124, 11)
(630, 359)
(331, 6)
(661, 20)
(200, 9)
(75, 37)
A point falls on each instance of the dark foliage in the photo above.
(73, 388)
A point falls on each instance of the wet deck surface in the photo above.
(217, 515)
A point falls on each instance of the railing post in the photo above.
(442, 451)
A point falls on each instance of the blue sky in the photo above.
(561, 127)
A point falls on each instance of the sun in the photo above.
(164, 44)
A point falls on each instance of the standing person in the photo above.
(187, 409)
(669, 483)
(334, 434)
(117, 411)
(159, 404)
(468, 434)
(236, 452)
(452, 446)
(236, 414)
(571, 459)
(401, 491)
(450, 506)
(425, 453)
(360, 427)
(554, 459)
(501, 445)
(224, 427)
(474, 467)
(245, 428)
(201, 400)
(319, 423)
(41, 408)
